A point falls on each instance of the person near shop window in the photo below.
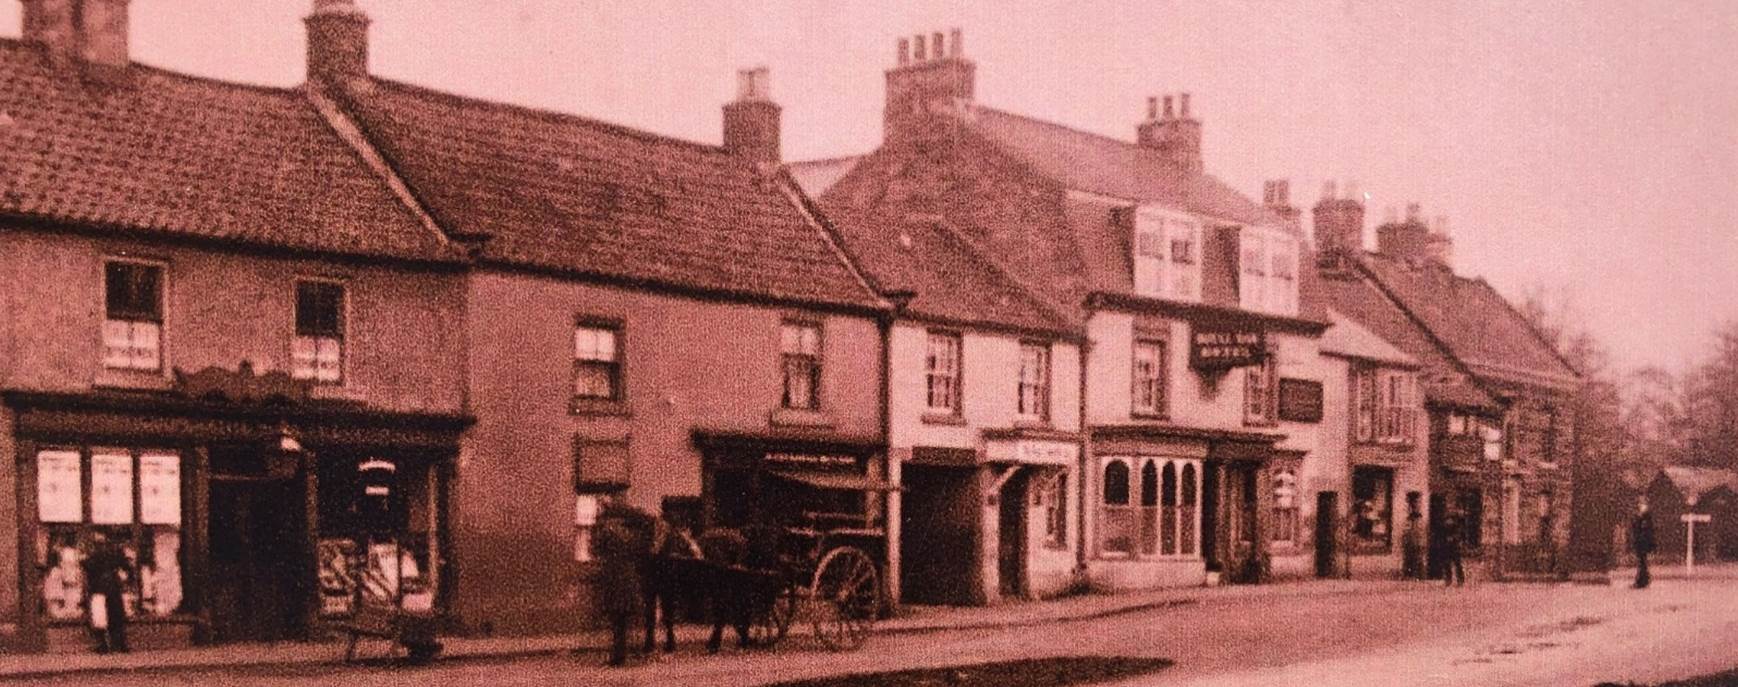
(107, 570)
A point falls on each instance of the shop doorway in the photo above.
(1011, 536)
(257, 590)
(1327, 505)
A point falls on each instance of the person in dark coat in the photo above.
(107, 573)
(1453, 570)
(621, 544)
(1641, 540)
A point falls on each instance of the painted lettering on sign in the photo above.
(1220, 348)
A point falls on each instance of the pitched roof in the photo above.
(162, 153)
(1694, 482)
(1478, 325)
(560, 192)
(816, 176)
(1355, 298)
(953, 280)
(1348, 338)
(1100, 164)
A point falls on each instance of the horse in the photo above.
(744, 578)
(669, 580)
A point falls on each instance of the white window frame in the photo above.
(125, 341)
(1267, 271)
(943, 360)
(1167, 255)
(1261, 385)
(1397, 408)
(1038, 409)
(805, 352)
(1149, 390)
(595, 357)
(305, 350)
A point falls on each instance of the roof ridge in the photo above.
(9, 43)
(544, 113)
(1538, 336)
(824, 160)
(819, 221)
(1441, 346)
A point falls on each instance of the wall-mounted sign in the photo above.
(810, 459)
(1218, 347)
(1300, 400)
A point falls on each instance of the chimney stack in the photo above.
(751, 122)
(91, 32)
(1339, 222)
(926, 74)
(1276, 195)
(1407, 239)
(337, 41)
(1175, 133)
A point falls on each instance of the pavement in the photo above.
(910, 620)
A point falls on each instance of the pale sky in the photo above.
(1587, 146)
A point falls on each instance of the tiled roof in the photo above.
(953, 280)
(1350, 294)
(1478, 324)
(1348, 338)
(560, 192)
(1099, 164)
(166, 154)
(816, 176)
(1694, 482)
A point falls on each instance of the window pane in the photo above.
(319, 309)
(593, 380)
(111, 496)
(145, 350)
(1116, 487)
(133, 291)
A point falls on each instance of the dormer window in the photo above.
(1268, 272)
(1167, 256)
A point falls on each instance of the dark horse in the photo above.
(725, 572)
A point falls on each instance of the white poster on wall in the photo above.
(58, 494)
(160, 489)
(111, 489)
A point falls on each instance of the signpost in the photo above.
(1219, 347)
(1690, 520)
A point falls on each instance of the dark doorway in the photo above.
(1011, 539)
(259, 575)
(1327, 507)
(938, 515)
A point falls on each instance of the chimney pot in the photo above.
(1185, 106)
(1167, 107)
(751, 124)
(937, 48)
(1152, 108)
(904, 51)
(917, 53)
(959, 43)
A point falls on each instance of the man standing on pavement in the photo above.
(107, 571)
(1641, 540)
(1453, 573)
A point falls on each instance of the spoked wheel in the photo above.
(773, 621)
(847, 596)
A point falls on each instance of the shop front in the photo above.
(241, 517)
(1027, 511)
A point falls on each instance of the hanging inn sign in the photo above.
(1218, 347)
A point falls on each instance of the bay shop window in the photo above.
(1149, 507)
(133, 498)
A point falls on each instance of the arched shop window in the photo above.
(1164, 523)
(1117, 522)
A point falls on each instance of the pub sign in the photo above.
(1220, 347)
(1300, 400)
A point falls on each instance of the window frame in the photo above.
(1267, 374)
(1042, 383)
(1384, 512)
(1166, 252)
(956, 397)
(1172, 521)
(616, 368)
(1286, 508)
(1261, 285)
(343, 330)
(1160, 408)
(1053, 499)
(160, 321)
(815, 363)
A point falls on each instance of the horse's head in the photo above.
(724, 545)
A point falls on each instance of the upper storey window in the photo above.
(1267, 271)
(1167, 256)
(133, 322)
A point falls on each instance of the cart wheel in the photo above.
(773, 622)
(847, 596)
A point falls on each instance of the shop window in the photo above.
(1168, 510)
(133, 321)
(800, 348)
(1149, 378)
(1186, 515)
(377, 533)
(1372, 508)
(1053, 507)
(1118, 521)
(1285, 506)
(1034, 390)
(941, 368)
(1471, 504)
(1260, 400)
(1150, 534)
(597, 361)
(317, 353)
(129, 499)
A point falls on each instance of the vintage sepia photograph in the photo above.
(941, 343)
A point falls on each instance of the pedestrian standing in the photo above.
(107, 572)
(1641, 540)
(1412, 547)
(1453, 571)
(621, 543)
